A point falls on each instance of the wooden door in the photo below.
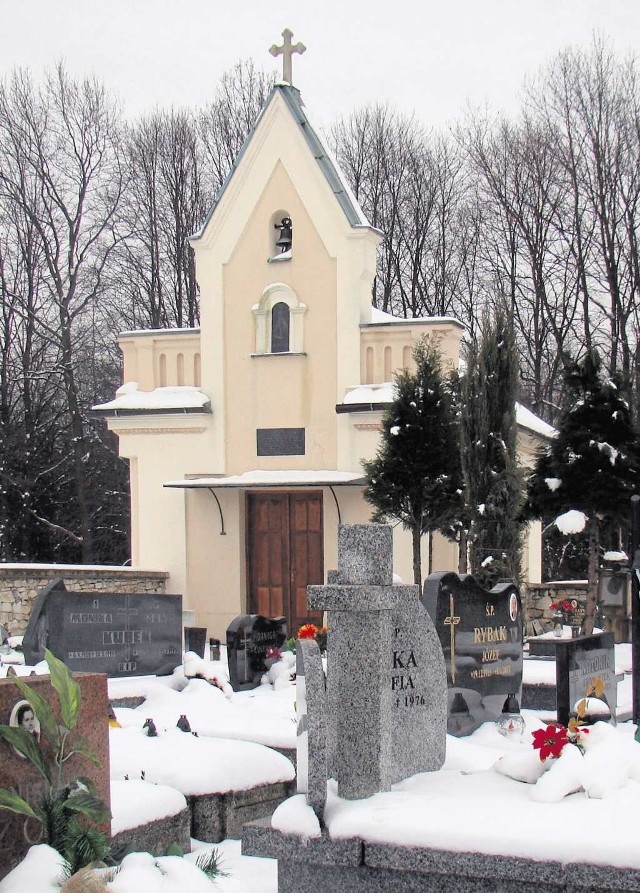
(284, 554)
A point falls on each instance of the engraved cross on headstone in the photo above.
(286, 51)
(452, 621)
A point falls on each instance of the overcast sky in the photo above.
(417, 54)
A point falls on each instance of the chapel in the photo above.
(245, 437)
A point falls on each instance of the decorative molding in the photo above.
(122, 431)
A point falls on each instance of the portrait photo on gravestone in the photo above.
(480, 632)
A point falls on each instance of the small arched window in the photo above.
(280, 324)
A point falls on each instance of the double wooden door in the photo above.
(284, 554)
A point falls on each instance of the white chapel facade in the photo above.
(245, 437)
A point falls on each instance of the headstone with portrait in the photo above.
(480, 633)
(250, 639)
(117, 633)
(18, 775)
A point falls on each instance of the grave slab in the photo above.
(311, 709)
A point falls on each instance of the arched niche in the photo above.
(279, 294)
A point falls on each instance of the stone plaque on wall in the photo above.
(280, 441)
(117, 633)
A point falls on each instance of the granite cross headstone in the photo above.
(249, 637)
(386, 677)
(311, 745)
(117, 633)
(480, 632)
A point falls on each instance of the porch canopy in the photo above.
(286, 478)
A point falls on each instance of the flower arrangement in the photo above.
(311, 631)
(566, 606)
(552, 740)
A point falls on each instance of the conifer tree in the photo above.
(592, 466)
(494, 488)
(415, 477)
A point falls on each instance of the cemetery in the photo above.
(272, 707)
(399, 759)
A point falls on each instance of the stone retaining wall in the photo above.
(20, 583)
(538, 597)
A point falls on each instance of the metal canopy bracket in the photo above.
(223, 532)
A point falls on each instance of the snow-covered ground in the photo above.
(440, 809)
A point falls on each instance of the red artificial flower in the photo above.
(550, 741)
(567, 606)
(308, 631)
(554, 606)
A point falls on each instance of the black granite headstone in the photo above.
(195, 639)
(480, 632)
(249, 636)
(117, 633)
(585, 667)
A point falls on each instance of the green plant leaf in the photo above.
(11, 801)
(81, 747)
(27, 745)
(67, 688)
(88, 805)
(43, 712)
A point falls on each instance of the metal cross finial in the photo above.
(286, 51)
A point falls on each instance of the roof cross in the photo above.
(286, 51)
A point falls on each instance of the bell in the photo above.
(286, 234)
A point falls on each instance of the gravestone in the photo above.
(480, 633)
(386, 679)
(117, 633)
(195, 639)
(585, 667)
(19, 775)
(249, 637)
(311, 710)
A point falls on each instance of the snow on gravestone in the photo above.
(386, 678)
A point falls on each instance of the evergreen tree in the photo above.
(489, 452)
(592, 466)
(415, 477)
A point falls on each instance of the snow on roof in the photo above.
(528, 419)
(129, 398)
(260, 478)
(380, 317)
(371, 393)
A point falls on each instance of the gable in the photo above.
(283, 135)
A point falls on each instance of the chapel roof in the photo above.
(320, 151)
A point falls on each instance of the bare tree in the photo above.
(61, 175)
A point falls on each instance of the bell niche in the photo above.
(281, 236)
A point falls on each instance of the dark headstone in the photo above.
(195, 639)
(249, 636)
(585, 667)
(480, 632)
(117, 633)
